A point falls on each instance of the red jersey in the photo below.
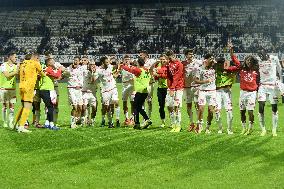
(175, 78)
(248, 78)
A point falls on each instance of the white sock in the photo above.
(244, 125)
(200, 123)
(51, 124)
(250, 125)
(219, 120)
(229, 119)
(261, 121)
(117, 112)
(172, 118)
(274, 120)
(126, 115)
(55, 115)
(46, 122)
(37, 116)
(178, 117)
(4, 114)
(11, 115)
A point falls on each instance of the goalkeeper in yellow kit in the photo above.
(30, 68)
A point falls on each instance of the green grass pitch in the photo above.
(153, 158)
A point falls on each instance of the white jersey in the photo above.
(127, 77)
(190, 71)
(204, 74)
(149, 62)
(88, 84)
(106, 78)
(76, 77)
(57, 65)
(268, 70)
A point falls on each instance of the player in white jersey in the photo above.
(75, 83)
(9, 71)
(191, 66)
(268, 89)
(127, 91)
(148, 64)
(207, 91)
(108, 91)
(89, 94)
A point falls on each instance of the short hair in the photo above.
(186, 51)
(85, 57)
(47, 53)
(11, 53)
(28, 56)
(163, 55)
(103, 59)
(77, 57)
(126, 56)
(170, 53)
(208, 55)
(140, 62)
(144, 52)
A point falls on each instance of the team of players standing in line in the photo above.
(200, 82)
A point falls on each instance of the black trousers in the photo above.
(162, 93)
(45, 96)
(139, 100)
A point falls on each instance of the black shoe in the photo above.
(137, 126)
(117, 124)
(103, 123)
(110, 125)
(146, 124)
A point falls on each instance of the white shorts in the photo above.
(89, 99)
(224, 99)
(207, 97)
(75, 96)
(128, 92)
(108, 97)
(280, 87)
(247, 100)
(9, 96)
(191, 94)
(175, 100)
(53, 96)
(267, 92)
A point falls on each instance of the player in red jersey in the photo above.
(249, 82)
(175, 82)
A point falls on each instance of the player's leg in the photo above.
(251, 98)
(201, 104)
(219, 94)
(273, 98)
(125, 96)
(56, 105)
(189, 96)
(24, 116)
(5, 108)
(85, 98)
(242, 106)
(149, 99)
(229, 109)
(177, 107)
(12, 102)
(116, 108)
(147, 122)
(261, 102)
(170, 107)
(161, 101)
(46, 97)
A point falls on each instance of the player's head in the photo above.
(50, 62)
(170, 54)
(263, 55)
(188, 53)
(84, 60)
(92, 66)
(126, 60)
(76, 60)
(163, 59)
(35, 56)
(143, 54)
(48, 55)
(104, 61)
(209, 60)
(12, 57)
(250, 63)
(220, 63)
(141, 62)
